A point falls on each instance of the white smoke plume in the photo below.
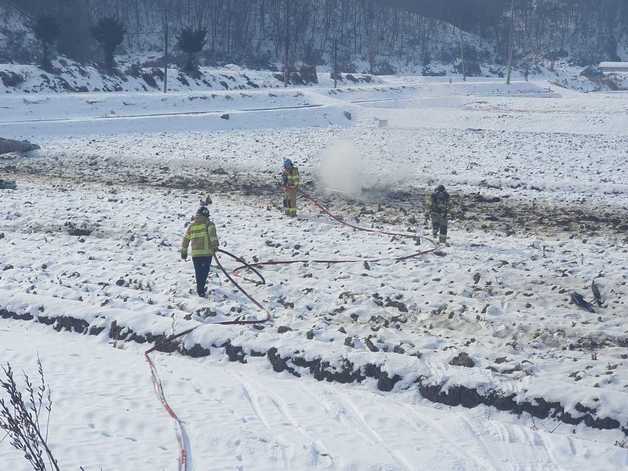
(353, 169)
(341, 168)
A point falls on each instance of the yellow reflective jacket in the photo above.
(201, 234)
(291, 178)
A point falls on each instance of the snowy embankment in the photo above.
(245, 417)
(540, 397)
(70, 77)
(91, 237)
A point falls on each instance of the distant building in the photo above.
(614, 67)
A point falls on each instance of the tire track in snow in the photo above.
(454, 447)
(482, 442)
(367, 431)
(253, 401)
(317, 447)
(530, 438)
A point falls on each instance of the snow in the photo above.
(71, 76)
(245, 417)
(540, 203)
(68, 76)
(614, 65)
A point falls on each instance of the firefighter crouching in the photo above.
(290, 181)
(201, 235)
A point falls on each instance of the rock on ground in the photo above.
(9, 145)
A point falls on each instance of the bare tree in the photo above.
(365, 30)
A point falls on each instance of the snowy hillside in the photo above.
(374, 39)
(71, 77)
(16, 38)
(399, 338)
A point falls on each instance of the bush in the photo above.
(11, 79)
(384, 68)
(22, 415)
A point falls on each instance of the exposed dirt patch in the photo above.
(515, 215)
(472, 210)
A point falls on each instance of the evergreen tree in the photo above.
(109, 33)
(47, 31)
(191, 41)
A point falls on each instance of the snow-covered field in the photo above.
(539, 183)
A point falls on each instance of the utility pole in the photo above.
(286, 72)
(511, 41)
(166, 40)
(335, 62)
(464, 70)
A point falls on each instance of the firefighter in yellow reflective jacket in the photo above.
(291, 180)
(201, 235)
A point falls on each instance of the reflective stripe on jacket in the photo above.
(439, 203)
(201, 235)
(291, 178)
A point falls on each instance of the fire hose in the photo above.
(243, 291)
(356, 227)
(182, 437)
(247, 266)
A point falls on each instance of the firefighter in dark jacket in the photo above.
(201, 235)
(439, 208)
